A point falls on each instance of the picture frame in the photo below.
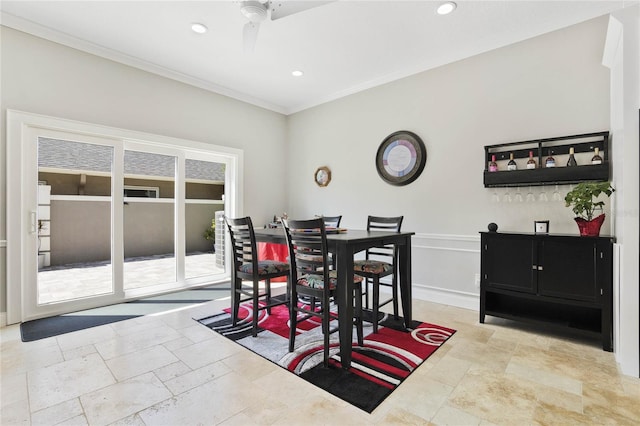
(541, 227)
(401, 158)
(322, 176)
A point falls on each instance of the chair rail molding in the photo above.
(446, 269)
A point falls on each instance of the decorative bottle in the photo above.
(572, 159)
(550, 161)
(511, 165)
(493, 166)
(596, 158)
(531, 164)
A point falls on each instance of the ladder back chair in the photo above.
(246, 266)
(380, 262)
(332, 221)
(312, 276)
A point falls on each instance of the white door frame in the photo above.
(20, 126)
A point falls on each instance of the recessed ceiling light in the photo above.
(297, 73)
(199, 28)
(446, 8)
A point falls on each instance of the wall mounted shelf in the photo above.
(559, 147)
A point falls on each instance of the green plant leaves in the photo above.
(581, 198)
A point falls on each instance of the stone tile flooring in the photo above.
(71, 282)
(170, 370)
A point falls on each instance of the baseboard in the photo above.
(447, 297)
(3, 319)
(444, 296)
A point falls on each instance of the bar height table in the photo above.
(345, 246)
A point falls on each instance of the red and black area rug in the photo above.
(377, 368)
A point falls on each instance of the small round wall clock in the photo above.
(401, 158)
(322, 176)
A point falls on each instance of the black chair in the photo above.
(312, 276)
(332, 221)
(246, 266)
(380, 262)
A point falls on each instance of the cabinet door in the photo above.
(508, 261)
(568, 269)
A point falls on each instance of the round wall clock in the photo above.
(322, 176)
(401, 158)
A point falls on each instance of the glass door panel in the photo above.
(149, 219)
(204, 196)
(74, 201)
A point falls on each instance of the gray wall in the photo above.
(43, 77)
(552, 85)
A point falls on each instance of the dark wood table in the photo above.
(345, 246)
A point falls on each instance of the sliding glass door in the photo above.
(70, 236)
(96, 220)
(149, 219)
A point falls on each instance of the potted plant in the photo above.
(581, 199)
(210, 234)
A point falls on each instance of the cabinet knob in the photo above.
(539, 268)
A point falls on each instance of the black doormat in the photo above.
(61, 324)
(54, 326)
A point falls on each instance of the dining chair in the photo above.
(380, 262)
(332, 221)
(246, 266)
(313, 277)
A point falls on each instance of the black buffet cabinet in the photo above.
(558, 281)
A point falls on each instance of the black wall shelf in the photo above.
(541, 148)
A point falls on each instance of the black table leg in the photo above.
(404, 265)
(345, 303)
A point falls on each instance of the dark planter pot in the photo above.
(590, 228)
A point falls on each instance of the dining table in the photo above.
(345, 244)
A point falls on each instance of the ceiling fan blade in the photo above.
(282, 8)
(250, 35)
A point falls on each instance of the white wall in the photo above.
(623, 56)
(42, 77)
(552, 85)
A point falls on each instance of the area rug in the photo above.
(61, 324)
(377, 368)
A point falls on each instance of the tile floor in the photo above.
(170, 370)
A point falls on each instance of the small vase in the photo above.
(590, 228)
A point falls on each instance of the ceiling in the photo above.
(342, 47)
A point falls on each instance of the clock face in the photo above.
(401, 158)
(323, 176)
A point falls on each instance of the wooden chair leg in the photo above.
(367, 281)
(293, 318)
(325, 329)
(376, 303)
(267, 286)
(359, 313)
(394, 291)
(256, 300)
(235, 295)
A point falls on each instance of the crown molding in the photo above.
(29, 27)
